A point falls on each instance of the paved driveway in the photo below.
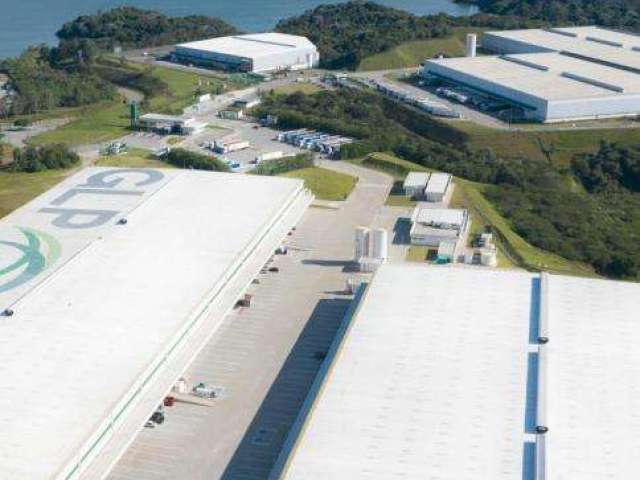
(264, 357)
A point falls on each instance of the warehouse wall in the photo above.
(296, 59)
(499, 44)
(537, 104)
(609, 106)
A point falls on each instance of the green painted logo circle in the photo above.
(38, 252)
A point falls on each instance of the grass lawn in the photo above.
(16, 189)
(417, 253)
(400, 201)
(96, 124)
(107, 121)
(182, 87)
(559, 146)
(134, 158)
(325, 184)
(514, 250)
(304, 87)
(412, 54)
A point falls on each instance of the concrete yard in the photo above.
(265, 357)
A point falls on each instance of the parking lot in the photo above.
(261, 140)
(264, 357)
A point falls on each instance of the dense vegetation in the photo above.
(381, 124)
(283, 165)
(47, 157)
(610, 169)
(600, 228)
(133, 27)
(74, 73)
(612, 13)
(185, 159)
(348, 32)
(41, 86)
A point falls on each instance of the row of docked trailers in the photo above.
(419, 101)
(313, 140)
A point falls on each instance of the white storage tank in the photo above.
(472, 44)
(379, 244)
(488, 258)
(361, 243)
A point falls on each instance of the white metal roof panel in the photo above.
(546, 85)
(624, 56)
(450, 216)
(100, 304)
(593, 404)
(416, 180)
(438, 183)
(252, 45)
(429, 383)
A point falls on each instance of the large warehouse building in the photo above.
(553, 75)
(256, 52)
(456, 373)
(110, 284)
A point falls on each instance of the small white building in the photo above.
(431, 226)
(171, 124)
(438, 187)
(415, 183)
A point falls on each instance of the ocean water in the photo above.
(30, 22)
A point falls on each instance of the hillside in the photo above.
(349, 32)
(413, 53)
(612, 13)
(134, 27)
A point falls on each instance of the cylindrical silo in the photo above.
(380, 247)
(472, 44)
(361, 243)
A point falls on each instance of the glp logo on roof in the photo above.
(25, 255)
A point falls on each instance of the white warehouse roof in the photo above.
(440, 374)
(253, 45)
(430, 382)
(558, 87)
(107, 313)
(615, 48)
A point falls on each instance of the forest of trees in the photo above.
(348, 32)
(610, 169)
(381, 124)
(186, 159)
(133, 27)
(283, 165)
(40, 85)
(46, 157)
(612, 13)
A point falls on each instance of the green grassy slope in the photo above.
(325, 184)
(412, 54)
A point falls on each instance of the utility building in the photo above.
(110, 284)
(415, 183)
(438, 188)
(256, 52)
(431, 226)
(458, 374)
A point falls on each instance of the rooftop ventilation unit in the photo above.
(561, 32)
(605, 42)
(525, 63)
(595, 83)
